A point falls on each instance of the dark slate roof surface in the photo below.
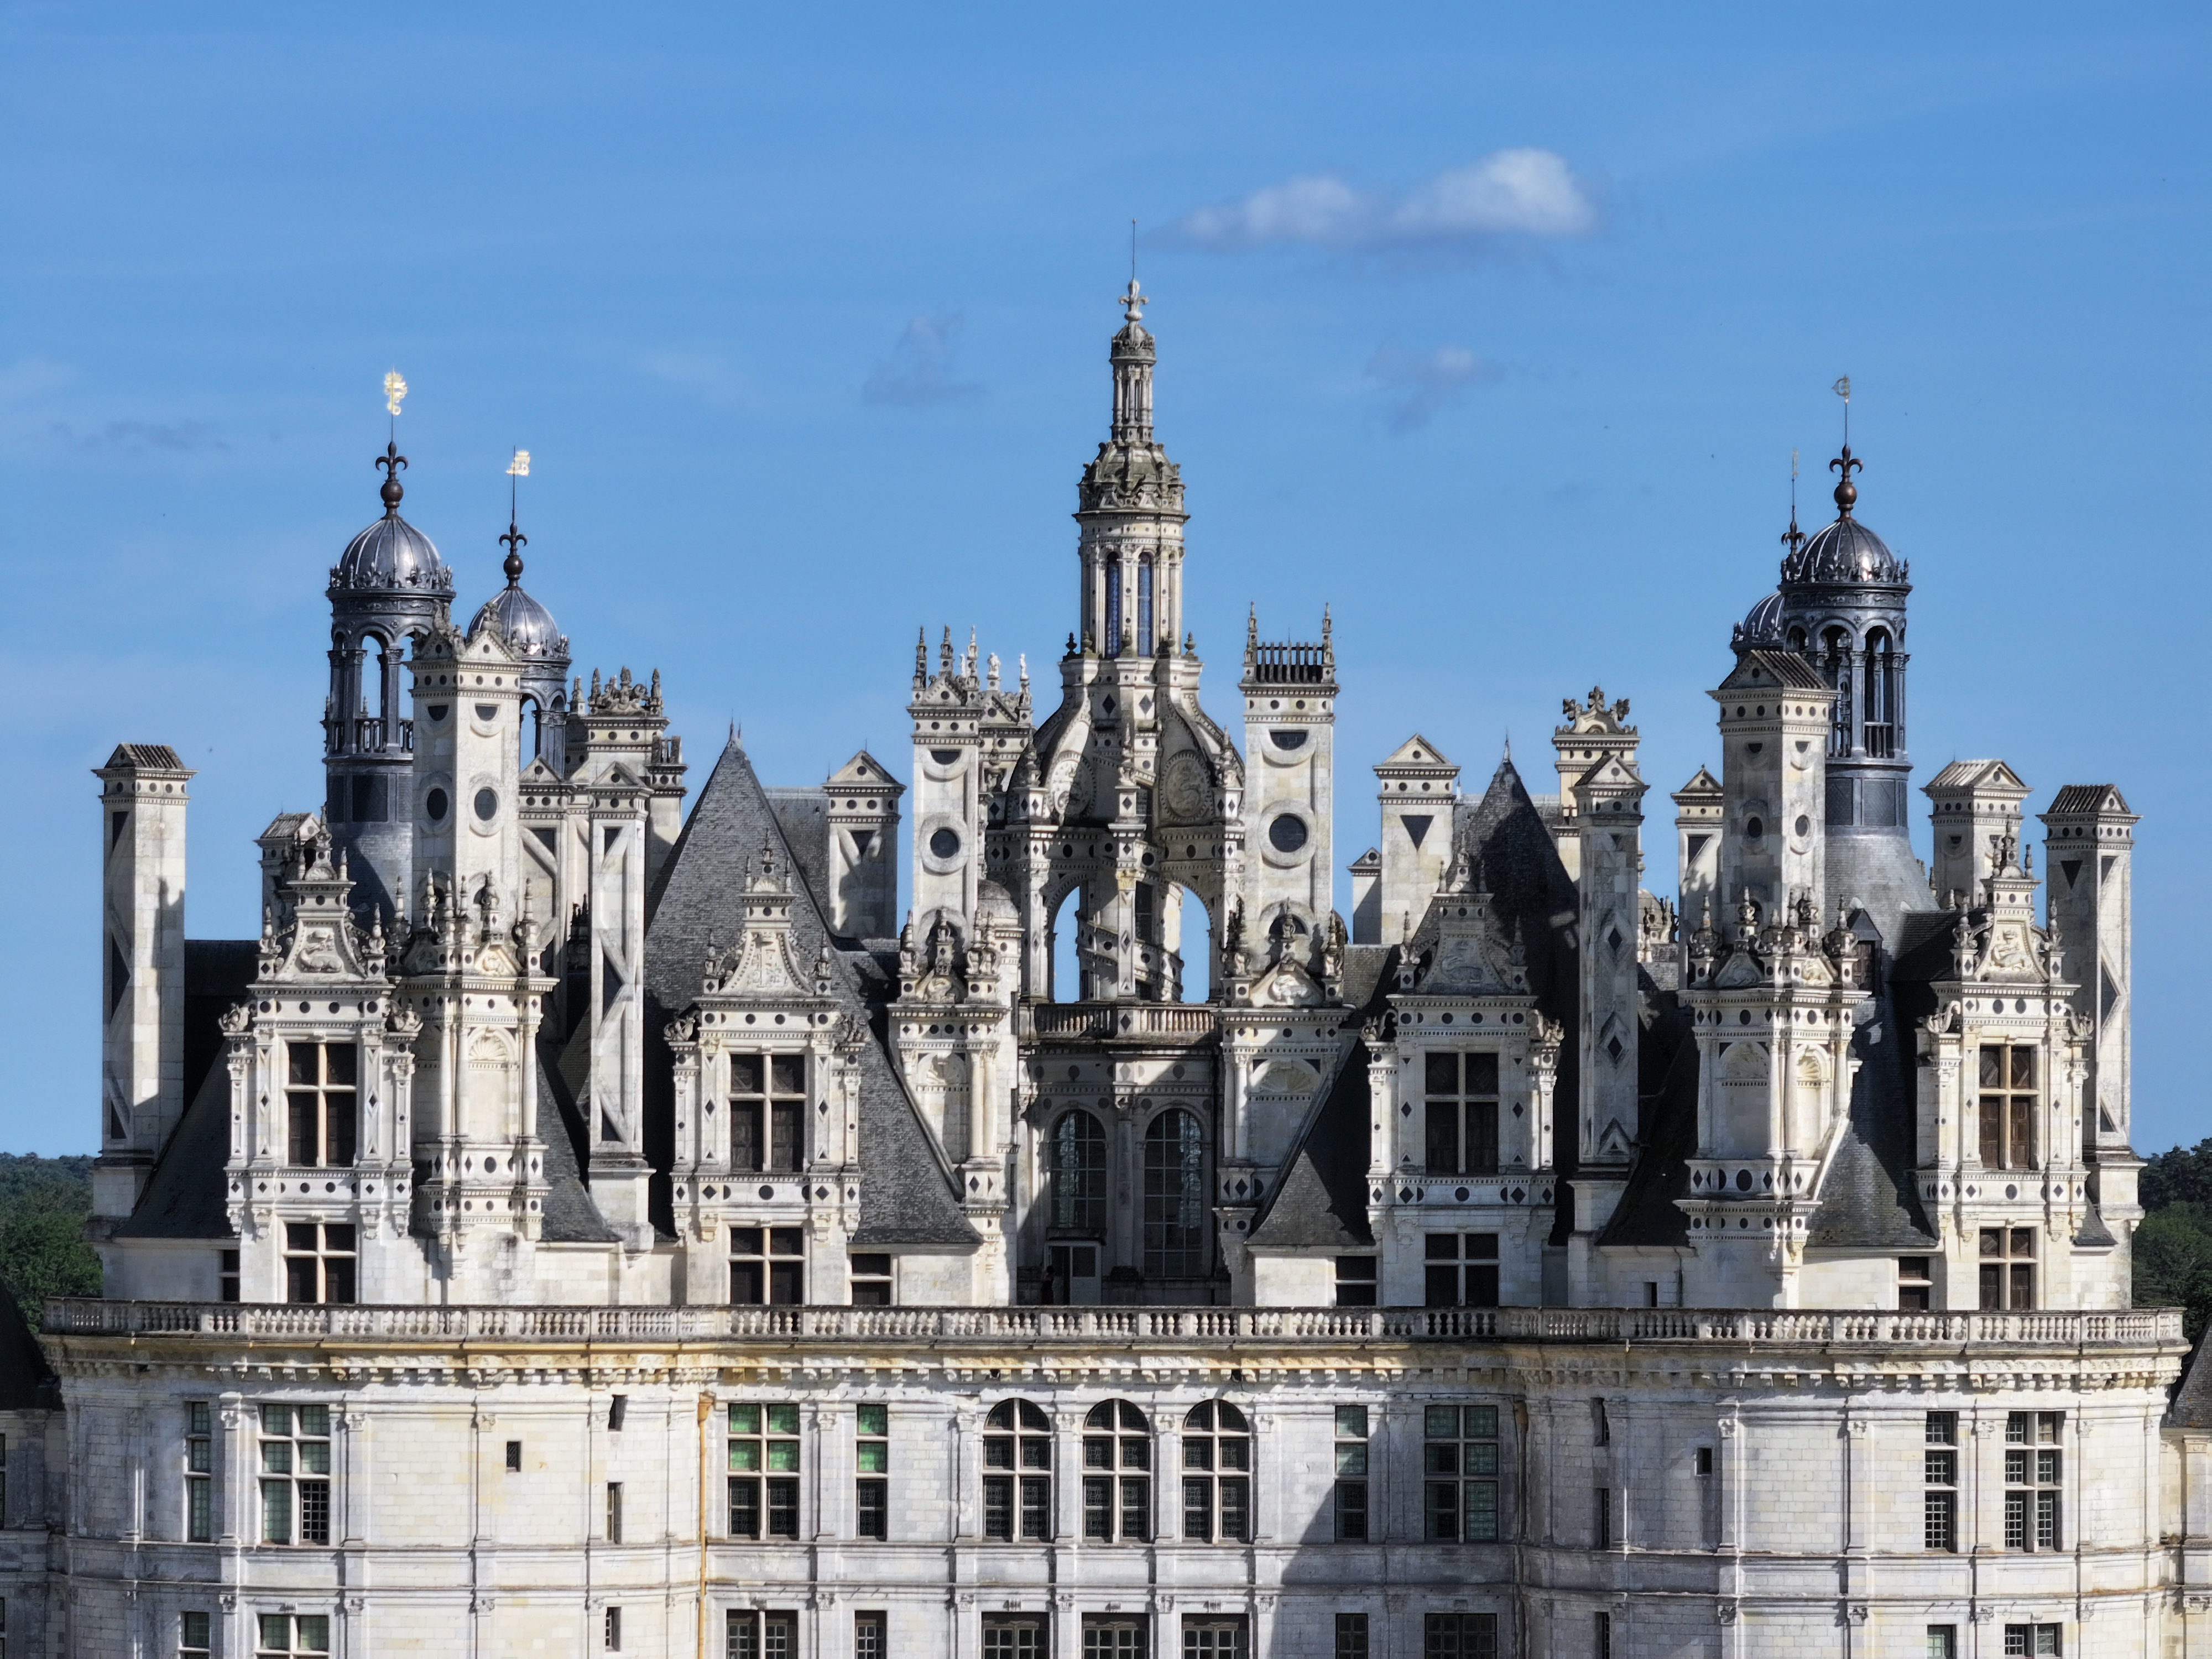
(184, 1196)
(1322, 1202)
(906, 1192)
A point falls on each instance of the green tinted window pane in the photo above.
(276, 1457)
(315, 1457)
(783, 1454)
(1441, 1422)
(744, 1419)
(277, 1631)
(197, 1421)
(194, 1631)
(1482, 1511)
(1482, 1422)
(873, 1457)
(1482, 1459)
(1351, 1422)
(314, 1634)
(783, 1420)
(1352, 1460)
(199, 1457)
(1440, 1457)
(744, 1453)
(276, 1419)
(875, 1419)
(314, 1420)
(275, 1511)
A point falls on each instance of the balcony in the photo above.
(1715, 1327)
(1179, 1022)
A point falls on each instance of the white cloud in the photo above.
(1508, 192)
(918, 371)
(1418, 384)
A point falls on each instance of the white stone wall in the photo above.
(1798, 1530)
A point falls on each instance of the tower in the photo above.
(1698, 806)
(1774, 719)
(1608, 820)
(1974, 802)
(141, 1070)
(950, 810)
(861, 863)
(388, 587)
(1590, 732)
(1290, 728)
(2089, 840)
(1419, 789)
(1843, 596)
(615, 887)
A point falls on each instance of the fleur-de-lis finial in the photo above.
(391, 463)
(512, 541)
(1846, 491)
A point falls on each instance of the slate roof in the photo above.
(28, 1383)
(2192, 1397)
(906, 1192)
(1321, 1204)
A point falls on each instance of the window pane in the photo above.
(789, 1073)
(1442, 1071)
(1441, 1422)
(1482, 1074)
(746, 1074)
(1351, 1422)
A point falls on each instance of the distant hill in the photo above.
(44, 1202)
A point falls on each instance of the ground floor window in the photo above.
(751, 1635)
(2032, 1638)
(868, 1636)
(1351, 1636)
(1106, 1636)
(1459, 1636)
(282, 1635)
(1214, 1636)
(1016, 1636)
(195, 1635)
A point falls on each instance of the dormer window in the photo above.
(767, 1111)
(321, 1085)
(2007, 1098)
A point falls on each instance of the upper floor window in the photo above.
(1460, 1270)
(2033, 1480)
(2007, 1267)
(1217, 1473)
(1117, 1461)
(763, 1452)
(1462, 1113)
(768, 1265)
(321, 1084)
(318, 1262)
(282, 1635)
(295, 1475)
(1079, 1175)
(1939, 1502)
(1459, 1458)
(1017, 1472)
(2006, 1100)
(199, 1471)
(1355, 1281)
(767, 1111)
(1351, 1474)
(870, 1278)
(871, 1459)
(1175, 1197)
(1111, 645)
(1915, 1287)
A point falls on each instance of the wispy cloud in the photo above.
(1416, 385)
(704, 372)
(919, 372)
(136, 437)
(1509, 193)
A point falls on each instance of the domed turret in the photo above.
(391, 553)
(531, 634)
(389, 587)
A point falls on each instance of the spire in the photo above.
(390, 463)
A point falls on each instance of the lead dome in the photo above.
(391, 553)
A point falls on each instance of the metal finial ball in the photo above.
(1846, 493)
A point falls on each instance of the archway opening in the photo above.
(1188, 933)
(1065, 984)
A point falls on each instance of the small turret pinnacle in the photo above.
(391, 463)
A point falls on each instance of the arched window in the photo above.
(1147, 640)
(1079, 1175)
(1836, 660)
(1111, 645)
(1117, 1484)
(1175, 1197)
(1217, 1473)
(1017, 1472)
(1881, 696)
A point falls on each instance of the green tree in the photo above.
(44, 1202)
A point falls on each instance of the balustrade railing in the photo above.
(1719, 1325)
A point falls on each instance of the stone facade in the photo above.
(579, 1225)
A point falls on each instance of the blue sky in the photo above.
(1492, 328)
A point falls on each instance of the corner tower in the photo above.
(388, 587)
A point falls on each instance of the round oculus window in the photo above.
(435, 804)
(487, 804)
(1754, 829)
(1287, 833)
(945, 844)
(1804, 824)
